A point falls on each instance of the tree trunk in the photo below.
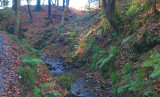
(38, 6)
(57, 2)
(49, 9)
(155, 7)
(29, 10)
(14, 5)
(18, 21)
(99, 1)
(109, 10)
(43, 2)
(63, 3)
(64, 13)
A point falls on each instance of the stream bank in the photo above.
(83, 84)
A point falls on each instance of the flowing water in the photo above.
(80, 85)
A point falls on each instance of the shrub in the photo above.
(142, 81)
(153, 61)
(44, 92)
(115, 79)
(27, 77)
(64, 82)
(134, 8)
(28, 71)
(107, 63)
(31, 61)
(32, 50)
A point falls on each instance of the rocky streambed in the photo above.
(83, 84)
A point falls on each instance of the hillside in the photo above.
(127, 60)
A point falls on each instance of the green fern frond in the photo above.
(36, 92)
(49, 84)
(155, 62)
(55, 92)
(148, 64)
(156, 72)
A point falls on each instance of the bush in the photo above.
(64, 82)
(32, 50)
(38, 91)
(27, 77)
(154, 61)
(28, 71)
(115, 79)
(143, 81)
(31, 61)
(134, 8)
(106, 64)
(6, 17)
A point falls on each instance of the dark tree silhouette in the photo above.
(38, 6)
(29, 10)
(109, 10)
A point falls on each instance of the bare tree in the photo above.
(63, 3)
(18, 20)
(38, 6)
(29, 10)
(57, 2)
(64, 13)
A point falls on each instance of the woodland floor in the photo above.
(8, 63)
(10, 59)
(37, 29)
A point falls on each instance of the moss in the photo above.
(64, 82)
(146, 43)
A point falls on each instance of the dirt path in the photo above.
(3, 85)
(8, 77)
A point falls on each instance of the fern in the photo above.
(64, 82)
(107, 63)
(37, 91)
(31, 61)
(156, 72)
(127, 69)
(27, 77)
(155, 62)
(113, 50)
(126, 39)
(55, 92)
(32, 50)
(49, 84)
(115, 78)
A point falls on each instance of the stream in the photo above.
(81, 85)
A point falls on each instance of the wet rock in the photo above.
(70, 95)
(78, 92)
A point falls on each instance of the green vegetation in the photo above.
(33, 51)
(106, 64)
(153, 61)
(38, 91)
(28, 72)
(27, 77)
(121, 40)
(64, 82)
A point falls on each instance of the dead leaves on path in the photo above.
(10, 61)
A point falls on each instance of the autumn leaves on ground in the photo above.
(122, 50)
(12, 52)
